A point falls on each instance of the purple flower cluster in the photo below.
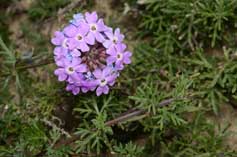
(89, 54)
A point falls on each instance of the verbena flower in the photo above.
(89, 54)
(119, 56)
(113, 38)
(97, 27)
(104, 78)
(70, 70)
(77, 37)
(62, 45)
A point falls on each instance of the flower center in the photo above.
(115, 40)
(79, 37)
(70, 70)
(119, 56)
(95, 58)
(93, 27)
(103, 82)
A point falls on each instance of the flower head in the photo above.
(89, 55)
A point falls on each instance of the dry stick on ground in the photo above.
(29, 66)
(69, 7)
(133, 112)
(62, 11)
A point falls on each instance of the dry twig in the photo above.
(122, 118)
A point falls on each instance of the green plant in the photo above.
(183, 70)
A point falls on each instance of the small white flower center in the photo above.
(115, 40)
(119, 56)
(79, 37)
(70, 70)
(103, 82)
(93, 27)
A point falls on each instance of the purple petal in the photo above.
(59, 71)
(84, 28)
(70, 80)
(84, 47)
(97, 73)
(66, 62)
(110, 59)
(62, 77)
(84, 89)
(91, 84)
(57, 51)
(99, 37)
(91, 18)
(61, 74)
(105, 89)
(99, 91)
(107, 43)
(81, 68)
(78, 16)
(64, 50)
(58, 39)
(74, 77)
(72, 43)
(92, 88)
(77, 19)
(109, 34)
(111, 78)
(76, 61)
(101, 26)
(76, 53)
(90, 38)
(56, 58)
(60, 51)
(75, 90)
(69, 87)
(120, 47)
(118, 35)
(117, 32)
(70, 31)
(120, 38)
(119, 65)
(59, 54)
(106, 71)
(59, 62)
(126, 57)
(111, 51)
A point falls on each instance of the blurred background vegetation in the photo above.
(178, 98)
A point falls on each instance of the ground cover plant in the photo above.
(177, 97)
